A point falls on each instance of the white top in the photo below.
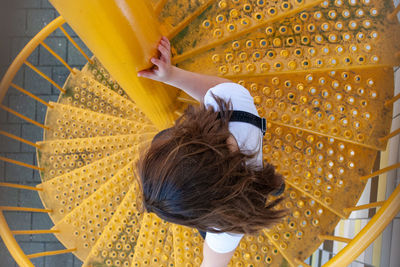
(248, 137)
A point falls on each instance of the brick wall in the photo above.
(20, 20)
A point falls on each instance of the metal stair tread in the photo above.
(88, 220)
(62, 156)
(63, 193)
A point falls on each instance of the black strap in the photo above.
(243, 116)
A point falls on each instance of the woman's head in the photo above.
(190, 176)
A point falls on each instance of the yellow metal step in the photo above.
(70, 122)
(155, 244)
(336, 103)
(64, 193)
(82, 91)
(118, 239)
(308, 35)
(318, 70)
(58, 157)
(83, 226)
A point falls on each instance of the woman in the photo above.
(207, 170)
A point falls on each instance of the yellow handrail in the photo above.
(25, 53)
(370, 232)
(12, 244)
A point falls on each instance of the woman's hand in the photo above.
(194, 84)
(162, 71)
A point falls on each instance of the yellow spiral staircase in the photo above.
(321, 72)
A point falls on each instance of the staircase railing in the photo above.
(388, 208)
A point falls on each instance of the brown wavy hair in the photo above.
(189, 176)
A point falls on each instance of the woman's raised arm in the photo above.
(194, 84)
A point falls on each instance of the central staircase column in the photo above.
(123, 35)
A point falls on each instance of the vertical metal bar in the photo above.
(24, 117)
(21, 186)
(75, 44)
(394, 133)
(44, 76)
(51, 51)
(31, 95)
(389, 168)
(19, 139)
(21, 163)
(391, 101)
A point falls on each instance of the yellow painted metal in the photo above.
(47, 78)
(50, 253)
(64, 117)
(366, 206)
(51, 51)
(87, 221)
(392, 134)
(187, 239)
(65, 192)
(381, 171)
(25, 53)
(392, 16)
(281, 247)
(20, 163)
(83, 91)
(123, 35)
(19, 88)
(155, 243)
(381, 196)
(312, 35)
(19, 139)
(34, 232)
(121, 235)
(7, 208)
(242, 22)
(20, 186)
(75, 44)
(159, 6)
(97, 129)
(23, 117)
(12, 245)
(335, 103)
(370, 232)
(391, 101)
(334, 238)
(187, 19)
